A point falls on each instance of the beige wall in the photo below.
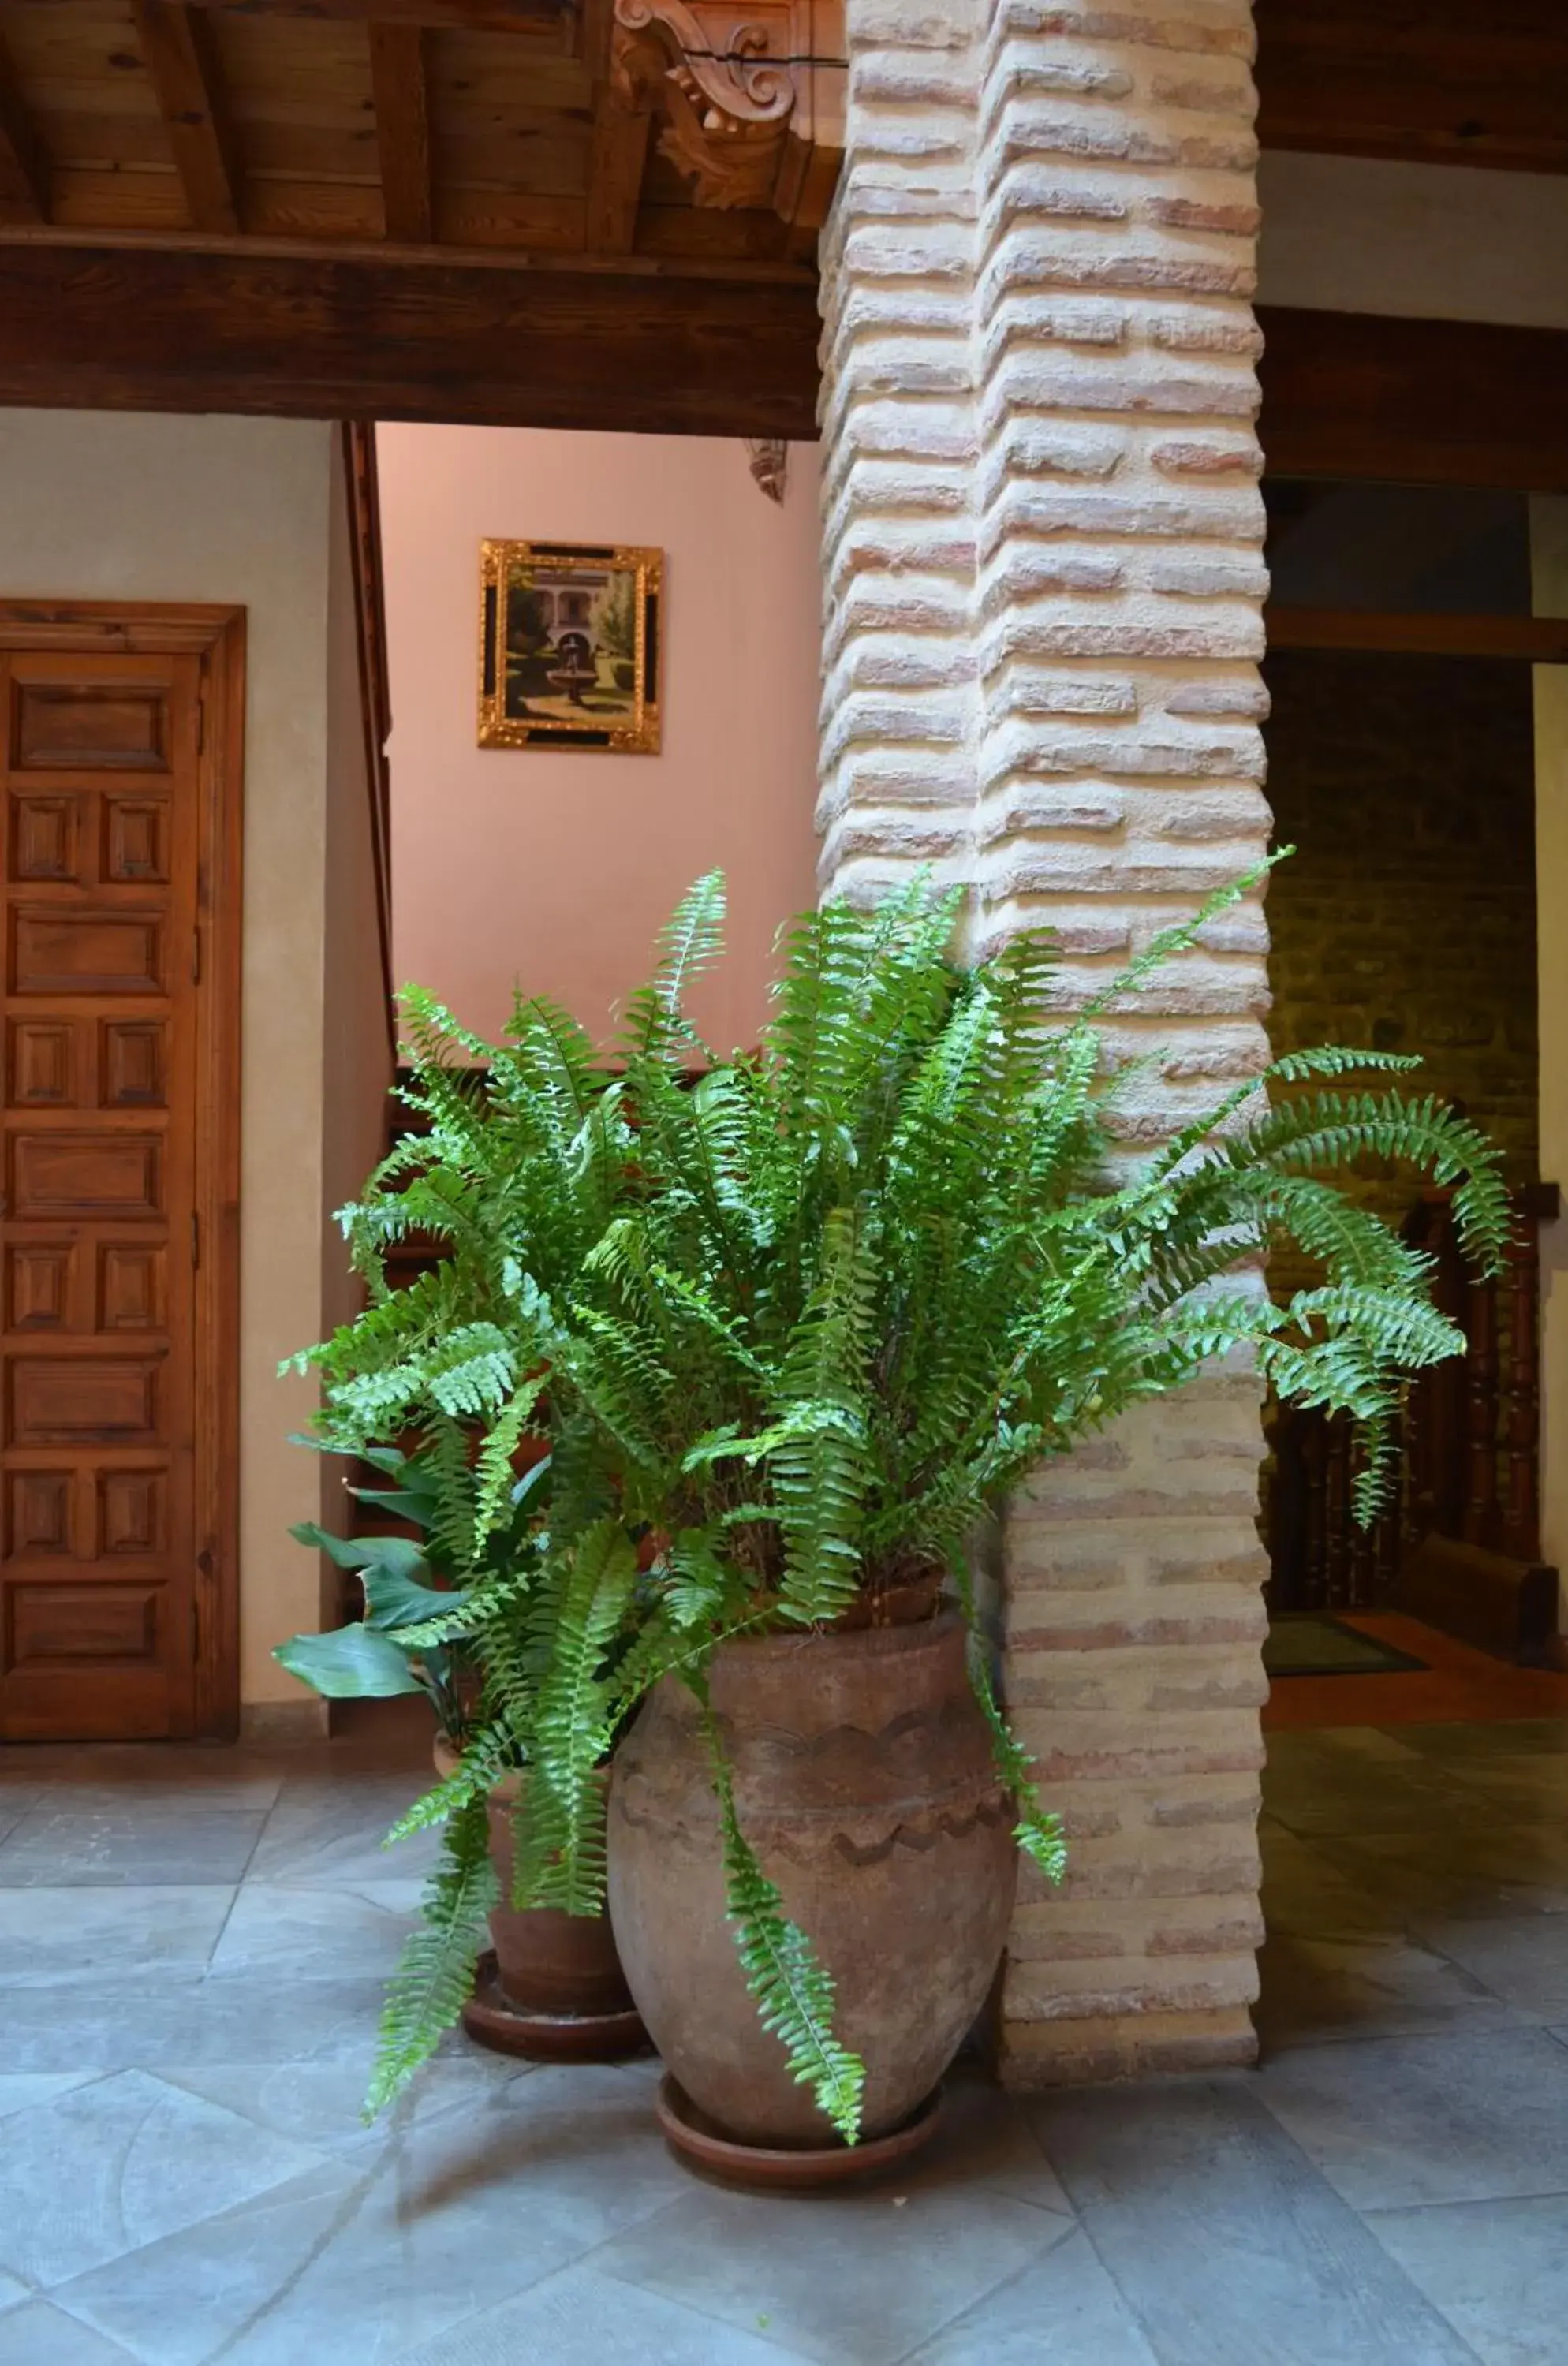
(556, 869)
(1434, 241)
(134, 507)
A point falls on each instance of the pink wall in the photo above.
(554, 868)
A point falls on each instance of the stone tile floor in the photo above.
(191, 1951)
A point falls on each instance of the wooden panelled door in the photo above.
(122, 746)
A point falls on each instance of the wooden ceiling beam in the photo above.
(1537, 640)
(1416, 402)
(182, 62)
(451, 16)
(616, 159)
(149, 329)
(1445, 82)
(24, 167)
(400, 85)
(618, 153)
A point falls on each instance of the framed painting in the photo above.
(569, 646)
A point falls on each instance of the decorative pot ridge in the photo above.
(822, 1780)
(865, 1782)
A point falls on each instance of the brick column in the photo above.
(1043, 581)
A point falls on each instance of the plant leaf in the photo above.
(349, 1663)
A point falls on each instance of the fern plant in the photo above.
(516, 1599)
(859, 1283)
(798, 1323)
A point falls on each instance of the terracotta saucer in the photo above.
(704, 2146)
(490, 2020)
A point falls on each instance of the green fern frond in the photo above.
(691, 940)
(1182, 935)
(794, 1992)
(1336, 1060)
(493, 1474)
(436, 1970)
(1038, 1830)
(561, 1862)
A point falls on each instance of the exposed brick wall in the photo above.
(1406, 919)
(1044, 577)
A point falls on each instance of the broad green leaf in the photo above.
(405, 1554)
(393, 1601)
(349, 1663)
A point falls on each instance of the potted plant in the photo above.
(512, 1164)
(790, 1329)
(853, 1287)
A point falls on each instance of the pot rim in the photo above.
(863, 1643)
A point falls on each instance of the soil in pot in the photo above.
(865, 1782)
(553, 1985)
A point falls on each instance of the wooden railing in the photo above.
(375, 700)
(1469, 1441)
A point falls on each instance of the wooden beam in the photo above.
(1537, 640)
(400, 88)
(1446, 81)
(1419, 402)
(616, 163)
(451, 16)
(665, 260)
(182, 60)
(24, 167)
(619, 152)
(143, 329)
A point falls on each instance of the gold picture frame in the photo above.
(570, 646)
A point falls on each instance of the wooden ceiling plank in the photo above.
(401, 85)
(481, 80)
(24, 167)
(101, 327)
(117, 205)
(182, 61)
(511, 219)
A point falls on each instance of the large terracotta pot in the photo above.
(865, 1782)
(546, 1962)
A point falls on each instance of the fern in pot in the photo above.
(854, 1287)
(789, 1331)
(514, 1164)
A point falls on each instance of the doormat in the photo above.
(1304, 1644)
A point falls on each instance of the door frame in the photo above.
(215, 635)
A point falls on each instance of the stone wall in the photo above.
(1405, 919)
(1043, 572)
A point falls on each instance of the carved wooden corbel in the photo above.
(750, 105)
(769, 460)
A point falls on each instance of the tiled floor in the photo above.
(191, 1946)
